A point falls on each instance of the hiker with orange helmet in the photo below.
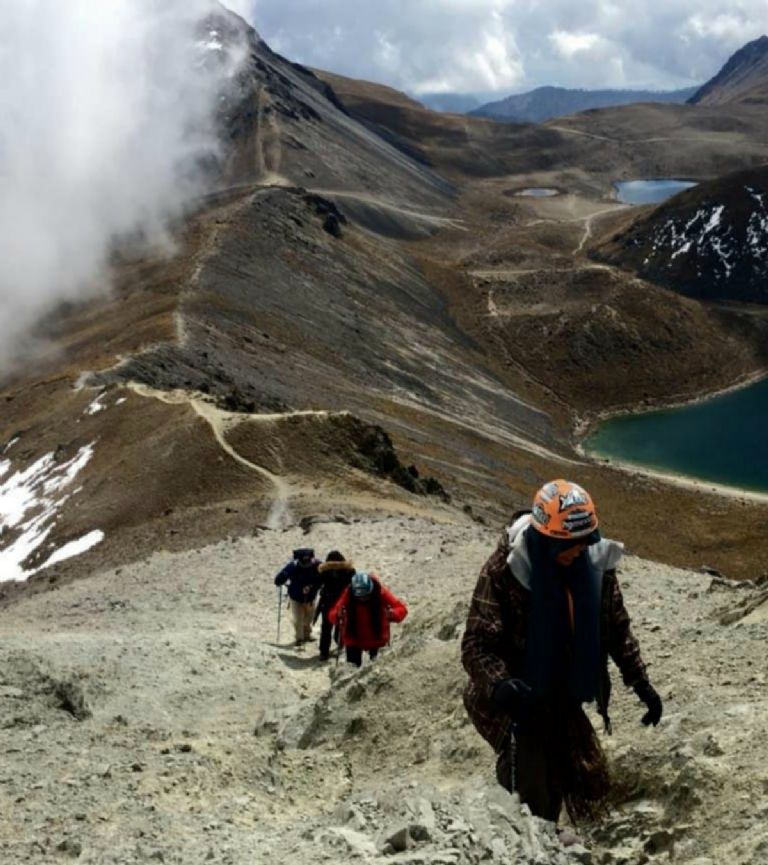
(546, 614)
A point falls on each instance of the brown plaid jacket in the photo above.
(493, 647)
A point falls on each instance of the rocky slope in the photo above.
(546, 103)
(744, 78)
(710, 242)
(149, 714)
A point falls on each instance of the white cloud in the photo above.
(506, 45)
(725, 27)
(569, 44)
(418, 45)
(105, 113)
(246, 9)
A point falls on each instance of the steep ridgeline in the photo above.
(710, 242)
(744, 78)
(282, 126)
(546, 103)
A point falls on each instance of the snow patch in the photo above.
(30, 501)
(756, 195)
(75, 548)
(704, 235)
(9, 445)
(97, 405)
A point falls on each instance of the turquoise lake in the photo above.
(723, 440)
(649, 191)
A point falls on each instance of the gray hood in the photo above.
(605, 555)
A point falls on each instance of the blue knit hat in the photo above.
(361, 585)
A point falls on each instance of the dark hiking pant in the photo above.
(355, 655)
(326, 637)
(535, 776)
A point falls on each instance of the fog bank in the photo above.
(106, 114)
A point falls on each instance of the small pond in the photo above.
(722, 439)
(538, 192)
(649, 191)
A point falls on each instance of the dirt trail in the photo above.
(569, 131)
(269, 147)
(589, 220)
(430, 218)
(220, 421)
(279, 515)
(503, 273)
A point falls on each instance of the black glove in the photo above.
(647, 693)
(511, 695)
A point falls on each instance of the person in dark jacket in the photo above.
(303, 579)
(335, 574)
(546, 614)
(363, 613)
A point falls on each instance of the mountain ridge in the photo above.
(550, 102)
(743, 78)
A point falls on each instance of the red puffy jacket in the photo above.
(364, 623)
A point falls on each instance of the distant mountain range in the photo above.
(744, 78)
(545, 103)
(452, 103)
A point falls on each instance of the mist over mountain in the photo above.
(108, 129)
(546, 103)
(744, 78)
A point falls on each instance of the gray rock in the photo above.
(350, 841)
(70, 847)
(399, 840)
(11, 693)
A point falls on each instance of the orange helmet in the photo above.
(564, 510)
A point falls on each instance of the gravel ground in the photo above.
(149, 714)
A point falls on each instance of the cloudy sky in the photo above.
(510, 45)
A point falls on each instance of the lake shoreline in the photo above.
(586, 424)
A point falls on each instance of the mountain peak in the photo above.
(744, 78)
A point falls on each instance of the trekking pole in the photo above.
(337, 635)
(512, 746)
(279, 611)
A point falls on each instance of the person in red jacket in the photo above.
(363, 613)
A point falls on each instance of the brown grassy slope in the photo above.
(591, 336)
(646, 140)
(456, 145)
